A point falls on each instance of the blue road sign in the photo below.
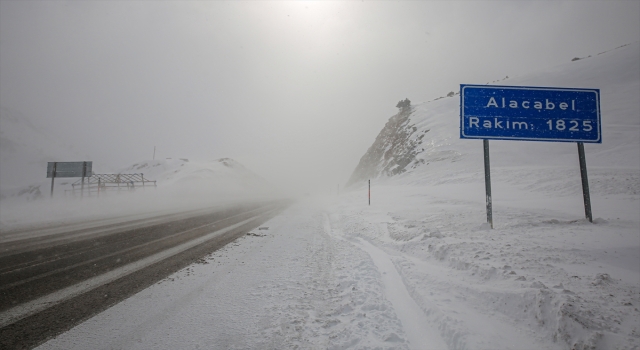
(530, 113)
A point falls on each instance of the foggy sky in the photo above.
(295, 91)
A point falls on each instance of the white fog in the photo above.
(303, 179)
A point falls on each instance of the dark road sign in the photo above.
(69, 169)
(530, 113)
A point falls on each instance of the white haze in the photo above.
(65, 208)
(295, 91)
(180, 186)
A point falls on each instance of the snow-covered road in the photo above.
(293, 285)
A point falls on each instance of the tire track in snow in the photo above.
(415, 323)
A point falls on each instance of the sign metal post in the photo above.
(585, 182)
(84, 172)
(53, 176)
(487, 182)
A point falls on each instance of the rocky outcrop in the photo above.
(393, 150)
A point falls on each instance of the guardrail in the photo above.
(97, 183)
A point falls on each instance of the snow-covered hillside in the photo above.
(224, 173)
(429, 137)
(393, 151)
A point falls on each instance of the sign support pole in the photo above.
(487, 182)
(53, 176)
(585, 182)
(369, 192)
(84, 173)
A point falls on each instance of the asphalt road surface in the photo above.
(52, 278)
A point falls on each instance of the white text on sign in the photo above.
(549, 105)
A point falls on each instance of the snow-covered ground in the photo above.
(419, 268)
(416, 269)
(296, 284)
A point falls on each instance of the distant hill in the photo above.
(223, 174)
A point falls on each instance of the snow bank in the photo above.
(542, 275)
